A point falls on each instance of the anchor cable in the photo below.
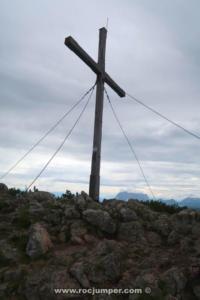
(48, 132)
(162, 116)
(64, 140)
(130, 145)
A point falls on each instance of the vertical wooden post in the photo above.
(96, 155)
(102, 76)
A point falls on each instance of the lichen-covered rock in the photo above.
(71, 213)
(77, 231)
(105, 247)
(104, 268)
(154, 239)
(39, 241)
(78, 228)
(188, 216)
(101, 219)
(173, 237)
(163, 225)
(141, 210)
(131, 231)
(149, 282)
(36, 208)
(83, 202)
(103, 264)
(80, 202)
(47, 284)
(78, 271)
(40, 196)
(114, 244)
(9, 253)
(173, 281)
(128, 214)
(186, 245)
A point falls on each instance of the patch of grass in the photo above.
(20, 241)
(23, 220)
(4, 261)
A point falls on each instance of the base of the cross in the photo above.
(94, 187)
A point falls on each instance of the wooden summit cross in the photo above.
(102, 76)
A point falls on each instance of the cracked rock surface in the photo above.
(49, 243)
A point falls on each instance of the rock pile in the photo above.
(75, 242)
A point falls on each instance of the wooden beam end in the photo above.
(68, 40)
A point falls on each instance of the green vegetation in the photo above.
(15, 192)
(23, 220)
(4, 261)
(159, 206)
(67, 195)
(20, 241)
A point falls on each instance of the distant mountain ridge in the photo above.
(190, 202)
(126, 195)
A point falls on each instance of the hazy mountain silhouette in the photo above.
(126, 195)
(190, 202)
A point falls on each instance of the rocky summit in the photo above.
(73, 242)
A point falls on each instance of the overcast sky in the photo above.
(153, 52)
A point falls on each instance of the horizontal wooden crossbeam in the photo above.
(80, 52)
